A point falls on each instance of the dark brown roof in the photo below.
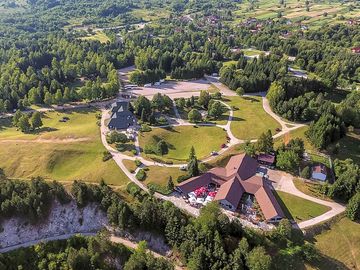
(237, 177)
(243, 165)
(231, 191)
(266, 158)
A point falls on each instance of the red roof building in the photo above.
(236, 179)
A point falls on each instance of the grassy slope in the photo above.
(24, 156)
(299, 209)
(160, 175)
(339, 246)
(180, 139)
(349, 145)
(250, 120)
(99, 35)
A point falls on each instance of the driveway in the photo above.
(285, 183)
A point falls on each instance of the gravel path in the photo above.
(286, 184)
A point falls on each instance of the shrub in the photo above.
(133, 189)
(162, 148)
(141, 175)
(116, 137)
(353, 207)
(182, 178)
(137, 163)
(162, 120)
(134, 152)
(106, 156)
(305, 173)
(145, 128)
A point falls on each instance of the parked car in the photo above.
(278, 129)
(214, 153)
(183, 167)
(223, 145)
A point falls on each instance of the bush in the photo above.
(141, 175)
(137, 163)
(305, 173)
(158, 188)
(353, 207)
(106, 156)
(133, 189)
(145, 128)
(182, 178)
(162, 120)
(162, 148)
(116, 137)
(134, 152)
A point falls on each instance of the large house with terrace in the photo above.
(235, 184)
(121, 117)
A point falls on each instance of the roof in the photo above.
(239, 176)
(268, 203)
(231, 191)
(319, 168)
(121, 117)
(266, 158)
(243, 165)
(120, 106)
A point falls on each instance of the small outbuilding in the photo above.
(319, 172)
(267, 160)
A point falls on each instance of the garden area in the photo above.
(299, 209)
(250, 119)
(179, 141)
(59, 150)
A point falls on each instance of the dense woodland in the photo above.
(211, 241)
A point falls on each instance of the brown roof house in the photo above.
(236, 179)
(319, 172)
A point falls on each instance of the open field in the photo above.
(349, 146)
(319, 13)
(250, 119)
(299, 209)
(339, 246)
(59, 151)
(98, 35)
(159, 177)
(181, 139)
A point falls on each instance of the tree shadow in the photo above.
(5, 123)
(42, 130)
(252, 99)
(283, 206)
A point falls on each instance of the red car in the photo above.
(223, 145)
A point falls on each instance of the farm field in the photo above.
(59, 151)
(181, 139)
(299, 209)
(319, 14)
(250, 119)
(339, 246)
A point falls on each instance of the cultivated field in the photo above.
(59, 151)
(318, 14)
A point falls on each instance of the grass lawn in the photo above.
(339, 246)
(159, 176)
(99, 35)
(349, 147)
(130, 165)
(181, 139)
(250, 120)
(297, 208)
(251, 52)
(59, 151)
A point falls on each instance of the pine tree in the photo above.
(170, 184)
(36, 120)
(23, 123)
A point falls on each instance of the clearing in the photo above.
(180, 140)
(339, 246)
(299, 209)
(59, 151)
(250, 119)
(98, 35)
